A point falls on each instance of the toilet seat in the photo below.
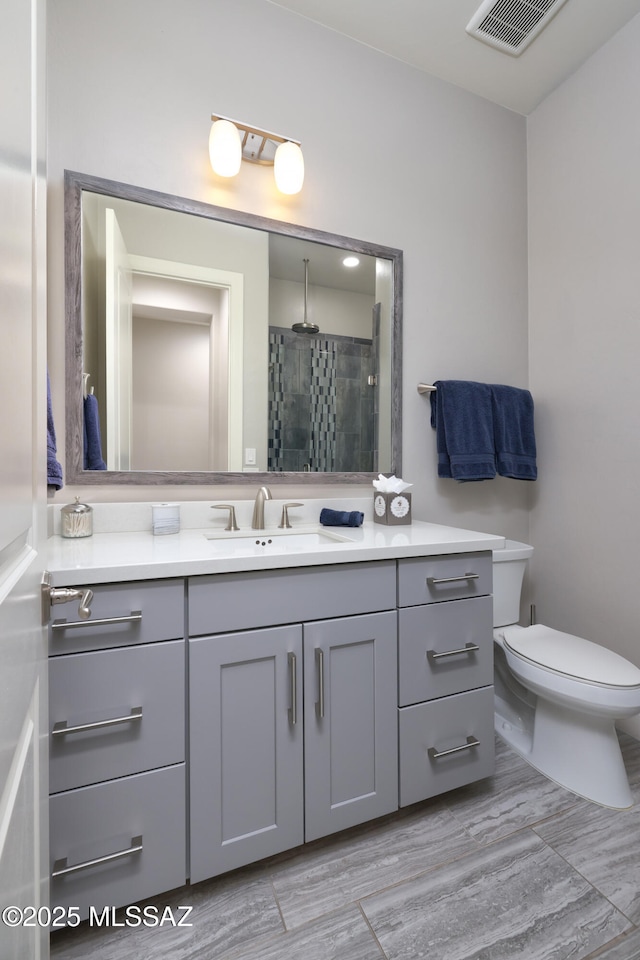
(570, 656)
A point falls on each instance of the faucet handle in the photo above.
(284, 520)
(231, 523)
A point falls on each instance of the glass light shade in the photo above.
(288, 168)
(225, 148)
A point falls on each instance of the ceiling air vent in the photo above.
(511, 25)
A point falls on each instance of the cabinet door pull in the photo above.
(61, 729)
(469, 745)
(468, 648)
(293, 680)
(134, 617)
(60, 868)
(466, 576)
(320, 667)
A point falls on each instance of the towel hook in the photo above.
(85, 385)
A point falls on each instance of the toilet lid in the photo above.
(573, 656)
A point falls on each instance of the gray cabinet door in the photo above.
(246, 747)
(351, 758)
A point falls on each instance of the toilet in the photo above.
(557, 697)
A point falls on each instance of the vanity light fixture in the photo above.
(231, 142)
(350, 262)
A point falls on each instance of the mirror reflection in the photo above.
(205, 348)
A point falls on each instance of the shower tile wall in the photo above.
(321, 407)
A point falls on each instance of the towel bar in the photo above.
(426, 388)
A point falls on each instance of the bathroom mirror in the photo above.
(221, 347)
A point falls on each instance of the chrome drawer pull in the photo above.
(61, 729)
(319, 654)
(134, 617)
(293, 678)
(436, 754)
(468, 648)
(60, 868)
(467, 576)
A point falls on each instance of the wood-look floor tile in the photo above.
(227, 912)
(631, 754)
(604, 846)
(357, 863)
(514, 898)
(515, 797)
(626, 947)
(344, 935)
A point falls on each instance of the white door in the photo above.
(118, 346)
(23, 743)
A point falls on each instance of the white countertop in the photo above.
(121, 555)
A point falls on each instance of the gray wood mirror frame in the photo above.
(80, 344)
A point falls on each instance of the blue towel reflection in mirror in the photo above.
(92, 442)
(54, 470)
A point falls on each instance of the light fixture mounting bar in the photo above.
(258, 146)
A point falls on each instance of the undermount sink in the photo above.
(273, 540)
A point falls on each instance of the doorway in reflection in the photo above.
(322, 402)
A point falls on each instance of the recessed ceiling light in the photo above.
(350, 262)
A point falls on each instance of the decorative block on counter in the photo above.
(392, 508)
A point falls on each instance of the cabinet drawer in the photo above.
(110, 818)
(121, 613)
(450, 724)
(444, 648)
(451, 577)
(90, 689)
(242, 601)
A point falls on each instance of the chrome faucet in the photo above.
(258, 508)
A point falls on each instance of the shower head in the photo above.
(305, 326)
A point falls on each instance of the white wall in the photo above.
(584, 214)
(392, 156)
(335, 311)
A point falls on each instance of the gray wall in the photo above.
(584, 241)
(392, 156)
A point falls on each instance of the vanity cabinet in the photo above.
(445, 690)
(117, 747)
(293, 727)
(285, 704)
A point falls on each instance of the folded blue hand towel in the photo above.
(92, 442)
(515, 440)
(341, 518)
(462, 415)
(54, 470)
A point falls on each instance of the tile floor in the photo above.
(513, 866)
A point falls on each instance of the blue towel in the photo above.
(341, 518)
(462, 415)
(54, 470)
(515, 440)
(92, 442)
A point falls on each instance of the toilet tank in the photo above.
(509, 565)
